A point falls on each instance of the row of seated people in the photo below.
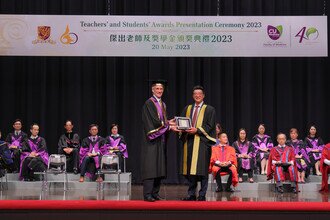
(253, 155)
(27, 155)
(284, 162)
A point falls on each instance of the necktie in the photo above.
(223, 154)
(195, 116)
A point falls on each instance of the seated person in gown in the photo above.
(282, 165)
(68, 145)
(325, 167)
(15, 142)
(314, 146)
(90, 154)
(223, 159)
(302, 159)
(6, 162)
(245, 156)
(115, 144)
(34, 156)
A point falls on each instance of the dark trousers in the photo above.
(16, 159)
(249, 172)
(218, 177)
(87, 164)
(151, 187)
(72, 160)
(193, 180)
(31, 165)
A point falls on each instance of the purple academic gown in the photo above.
(38, 146)
(16, 140)
(314, 144)
(262, 142)
(244, 148)
(113, 141)
(299, 149)
(87, 147)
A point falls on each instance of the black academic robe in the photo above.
(153, 151)
(17, 140)
(70, 140)
(11, 137)
(65, 142)
(197, 148)
(5, 153)
(38, 164)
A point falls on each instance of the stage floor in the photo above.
(169, 192)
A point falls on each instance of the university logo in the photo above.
(43, 35)
(274, 32)
(68, 37)
(309, 34)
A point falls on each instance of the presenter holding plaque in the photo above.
(183, 123)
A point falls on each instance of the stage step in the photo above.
(263, 178)
(313, 184)
(57, 181)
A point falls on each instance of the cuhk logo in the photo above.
(274, 32)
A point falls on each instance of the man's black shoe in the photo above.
(149, 199)
(75, 171)
(230, 190)
(189, 198)
(280, 189)
(158, 197)
(294, 190)
(201, 198)
(218, 189)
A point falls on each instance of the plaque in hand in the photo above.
(183, 123)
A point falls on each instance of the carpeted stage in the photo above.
(28, 209)
(85, 201)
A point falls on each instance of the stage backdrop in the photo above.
(166, 36)
(280, 92)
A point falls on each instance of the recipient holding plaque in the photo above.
(183, 123)
(197, 139)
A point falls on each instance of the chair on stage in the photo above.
(285, 167)
(221, 174)
(109, 165)
(3, 175)
(56, 166)
(3, 179)
(122, 159)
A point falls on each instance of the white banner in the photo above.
(163, 36)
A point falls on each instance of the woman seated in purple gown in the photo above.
(314, 146)
(302, 159)
(115, 144)
(262, 146)
(245, 155)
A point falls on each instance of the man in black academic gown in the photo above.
(15, 142)
(34, 155)
(6, 162)
(68, 144)
(153, 148)
(197, 143)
